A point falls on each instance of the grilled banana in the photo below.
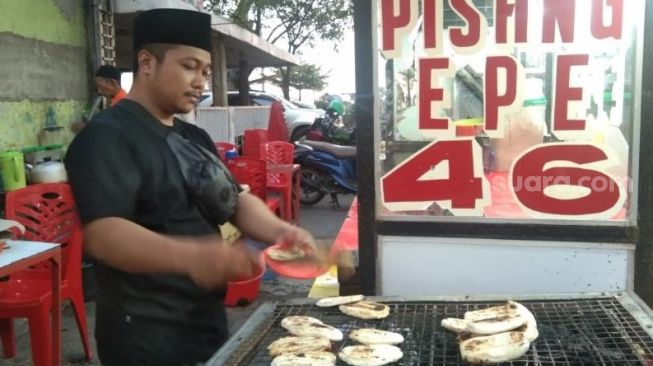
(495, 348)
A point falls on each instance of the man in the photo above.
(162, 270)
(107, 83)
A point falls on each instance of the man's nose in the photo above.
(199, 81)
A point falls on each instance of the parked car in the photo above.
(299, 119)
(304, 104)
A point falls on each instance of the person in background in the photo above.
(151, 218)
(107, 83)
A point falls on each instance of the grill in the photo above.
(614, 329)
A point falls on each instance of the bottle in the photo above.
(230, 156)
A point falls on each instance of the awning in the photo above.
(240, 43)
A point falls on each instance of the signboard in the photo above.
(514, 109)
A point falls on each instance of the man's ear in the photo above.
(146, 61)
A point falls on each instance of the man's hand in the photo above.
(296, 237)
(213, 265)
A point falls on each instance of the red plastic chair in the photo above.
(252, 140)
(223, 147)
(48, 213)
(281, 153)
(252, 171)
(277, 127)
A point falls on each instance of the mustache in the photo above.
(191, 94)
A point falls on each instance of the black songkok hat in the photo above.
(109, 72)
(173, 26)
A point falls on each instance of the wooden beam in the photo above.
(243, 80)
(219, 73)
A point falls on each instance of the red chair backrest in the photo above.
(223, 147)
(48, 213)
(278, 152)
(252, 140)
(250, 171)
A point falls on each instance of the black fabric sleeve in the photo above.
(104, 176)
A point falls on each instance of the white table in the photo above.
(19, 255)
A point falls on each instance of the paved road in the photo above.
(322, 220)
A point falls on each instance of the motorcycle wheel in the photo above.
(311, 183)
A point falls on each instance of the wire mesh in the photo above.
(572, 332)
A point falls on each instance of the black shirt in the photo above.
(120, 166)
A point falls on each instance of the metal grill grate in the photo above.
(572, 332)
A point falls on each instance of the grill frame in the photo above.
(622, 315)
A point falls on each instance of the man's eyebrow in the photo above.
(193, 58)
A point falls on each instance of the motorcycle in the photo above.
(325, 169)
(331, 128)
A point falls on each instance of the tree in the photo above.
(323, 101)
(302, 77)
(295, 23)
(303, 22)
(239, 11)
(409, 78)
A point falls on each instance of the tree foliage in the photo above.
(323, 101)
(302, 77)
(408, 76)
(294, 23)
(239, 11)
(302, 23)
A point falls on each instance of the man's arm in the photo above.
(254, 219)
(132, 248)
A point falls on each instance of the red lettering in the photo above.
(600, 31)
(504, 10)
(564, 93)
(430, 23)
(428, 94)
(473, 20)
(493, 101)
(462, 187)
(391, 22)
(561, 12)
(604, 195)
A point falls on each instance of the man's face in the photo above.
(105, 86)
(177, 82)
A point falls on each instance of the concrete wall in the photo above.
(44, 76)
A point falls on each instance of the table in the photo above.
(19, 255)
(295, 172)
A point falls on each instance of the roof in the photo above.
(239, 41)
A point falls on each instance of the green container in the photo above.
(40, 154)
(13, 170)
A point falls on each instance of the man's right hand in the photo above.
(213, 265)
(207, 260)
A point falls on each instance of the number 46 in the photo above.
(555, 180)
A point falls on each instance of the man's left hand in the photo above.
(296, 237)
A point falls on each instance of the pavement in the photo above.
(321, 219)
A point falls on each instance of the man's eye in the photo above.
(188, 66)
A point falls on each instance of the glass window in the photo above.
(508, 112)
(261, 101)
